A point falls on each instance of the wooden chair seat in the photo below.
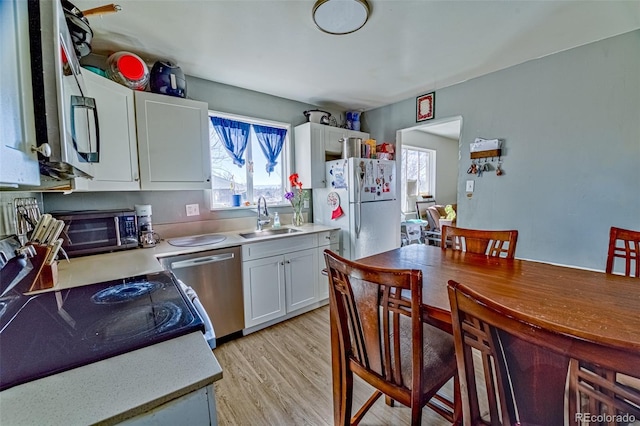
(439, 356)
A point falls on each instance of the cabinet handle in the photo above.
(116, 221)
(202, 260)
(288, 261)
(281, 263)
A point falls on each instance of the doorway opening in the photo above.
(442, 139)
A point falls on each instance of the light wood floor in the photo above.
(282, 376)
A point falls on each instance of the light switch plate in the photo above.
(470, 186)
(193, 210)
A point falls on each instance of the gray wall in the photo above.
(571, 125)
(446, 162)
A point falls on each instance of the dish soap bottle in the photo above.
(276, 220)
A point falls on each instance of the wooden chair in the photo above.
(628, 249)
(378, 317)
(530, 369)
(490, 243)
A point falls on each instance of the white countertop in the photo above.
(127, 263)
(114, 389)
(120, 387)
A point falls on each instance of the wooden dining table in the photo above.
(591, 305)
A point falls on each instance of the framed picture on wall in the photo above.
(426, 107)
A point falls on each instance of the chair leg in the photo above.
(416, 415)
(390, 402)
(457, 402)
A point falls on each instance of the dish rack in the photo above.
(26, 213)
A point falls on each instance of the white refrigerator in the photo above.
(360, 198)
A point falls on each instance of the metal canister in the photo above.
(351, 147)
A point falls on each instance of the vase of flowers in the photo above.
(296, 198)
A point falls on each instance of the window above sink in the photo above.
(237, 186)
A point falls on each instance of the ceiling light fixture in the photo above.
(340, 16)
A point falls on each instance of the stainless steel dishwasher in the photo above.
(216, 276)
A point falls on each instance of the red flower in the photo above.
(293, 180)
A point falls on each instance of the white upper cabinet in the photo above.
(315, 144)
(18, 164)
(117, 169)
(173, 142)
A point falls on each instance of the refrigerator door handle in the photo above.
(360, 174)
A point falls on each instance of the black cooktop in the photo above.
(49, 333)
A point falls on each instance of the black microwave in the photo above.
(98, 231)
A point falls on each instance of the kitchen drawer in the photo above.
(278, 246)
(328, 238)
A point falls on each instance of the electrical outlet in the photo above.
(470, 186)
(305, 204)
(193, 210)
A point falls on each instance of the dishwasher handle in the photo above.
(202, 260)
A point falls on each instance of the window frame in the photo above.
(285, 157)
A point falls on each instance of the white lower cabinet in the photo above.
(263, 288)
(299, 284)
(195, 408)
(280, 279)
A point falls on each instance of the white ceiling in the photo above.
(407, 48)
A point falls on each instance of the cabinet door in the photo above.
(309, 155)
(264, 290)
(300, 284)
(173, 142)
(191, 409)
(18, 165)
(118, 166)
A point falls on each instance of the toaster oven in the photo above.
(98, 231)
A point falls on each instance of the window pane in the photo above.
(268, 186)
(417, 165)
(226, 177)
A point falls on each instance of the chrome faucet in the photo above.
(262, 221)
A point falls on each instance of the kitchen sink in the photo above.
(268, 232)
(198, 240)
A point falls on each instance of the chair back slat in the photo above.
(536, 367)
(491, 243)
(624, 244)
(370, 305)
